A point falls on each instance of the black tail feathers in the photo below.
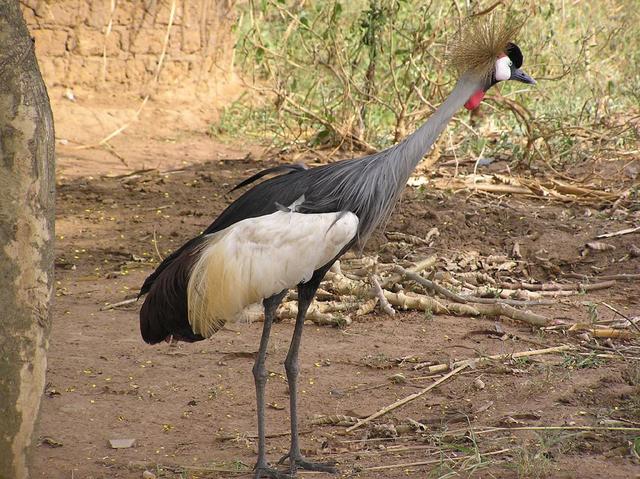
(164, 311)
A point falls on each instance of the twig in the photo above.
(317, 314)
(619, 233)
(500, 309)
(621, 314)
(231, 437)
(439, 368)
(550, 189)
(384, 304)
(434, 461)
(419, 266)
(610, 356)
(510, 302)
(621, 277)
(118, 304)
(346, 286)
(367, 307)
(166, 42)
(334, 420)
(559, 286)
(391, 449)
(106, 36)
(109, 147)
(557, 428)
(155, 245)
(407, 238)
(429, 284)
(603, 332)
(422, 303)
(407, 399)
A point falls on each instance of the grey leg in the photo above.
(306, 293)
(262, 468)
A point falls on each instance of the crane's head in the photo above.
(483, 49)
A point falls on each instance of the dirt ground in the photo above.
(191, 407)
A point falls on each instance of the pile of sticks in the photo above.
(358, 286)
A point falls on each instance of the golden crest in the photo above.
(481, 40)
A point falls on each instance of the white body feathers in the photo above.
(259, 257)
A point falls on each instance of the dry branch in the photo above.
(621, 277)
(385, 307)
(500, 309)
(602, 332)
(418, 302)
(555, 428)
(413, 301)
(618, 233)
(491, 308)
(118, 304)
(435, 461)
(430, 285)
(342, 285)
(627, 318)
(476, 278)
(548, 189)
(440, 368)
(335, 420)
(318, 313)
(397, 236)
(559, 286)
(418, 267)
(407, 399)
(367, 307)
(510, 302)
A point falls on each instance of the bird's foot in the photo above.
(266, 472)
(299, 462)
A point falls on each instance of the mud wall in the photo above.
(107, 44)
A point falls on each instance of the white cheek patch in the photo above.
(503, 68)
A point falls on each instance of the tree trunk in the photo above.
(27, 187)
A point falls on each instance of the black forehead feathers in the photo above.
(514, 53)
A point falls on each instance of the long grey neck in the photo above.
(416, 145)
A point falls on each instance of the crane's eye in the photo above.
(510, 63)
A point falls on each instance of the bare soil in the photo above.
(191, 407)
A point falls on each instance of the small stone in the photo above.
(122, 443)
(148, 475)
(51, 442)
(398, 379)
(478, 384)
(600, 246)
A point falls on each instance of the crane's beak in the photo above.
(521, 76)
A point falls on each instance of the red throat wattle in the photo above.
(474, 101)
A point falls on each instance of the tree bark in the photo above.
(27, 187)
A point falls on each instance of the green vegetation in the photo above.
(576, 361)
(363, 74)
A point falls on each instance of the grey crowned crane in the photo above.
(287, 231)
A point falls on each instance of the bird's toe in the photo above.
(301, 463)
(265, 472)
(316, 466)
